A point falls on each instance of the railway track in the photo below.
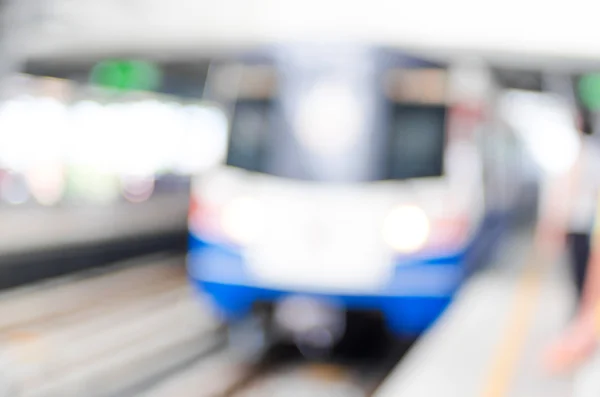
(137, 329)
(294, 377)
(284, 371)
(98, 334)
(226, 375)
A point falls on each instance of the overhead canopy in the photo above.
(522, 33)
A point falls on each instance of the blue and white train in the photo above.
(353, 178)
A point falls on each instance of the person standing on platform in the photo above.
(568, 217)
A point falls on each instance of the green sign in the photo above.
(589, 91)
(126, 75)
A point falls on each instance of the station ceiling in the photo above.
(510, 33)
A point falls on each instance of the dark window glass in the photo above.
(416, 141)
(414, 145)
(250, 128)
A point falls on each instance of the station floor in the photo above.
(490, 343)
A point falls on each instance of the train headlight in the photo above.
(241, 219)
(406, 228)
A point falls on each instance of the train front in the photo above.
(342, 190)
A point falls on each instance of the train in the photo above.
(353, 178)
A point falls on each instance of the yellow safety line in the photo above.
(508, 351)
(328, 372)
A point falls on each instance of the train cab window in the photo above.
(251, 90)
(250, 127)
(416, 141)
(417, 123)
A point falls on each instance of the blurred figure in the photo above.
(567, 215)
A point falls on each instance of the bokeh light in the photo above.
(95, 146)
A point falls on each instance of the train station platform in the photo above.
(27, 229)
(490, 343)
(41, 242)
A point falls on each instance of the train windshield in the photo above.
(394, 140)
(416, 142)
(251, 132)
